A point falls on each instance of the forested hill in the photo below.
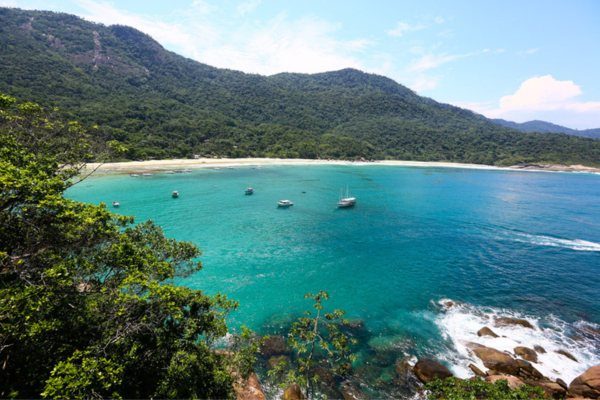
(543, 126)
(160, 104)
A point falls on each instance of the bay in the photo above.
(493, 242)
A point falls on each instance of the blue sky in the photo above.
(517, 60)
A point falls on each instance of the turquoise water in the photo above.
(510, 243)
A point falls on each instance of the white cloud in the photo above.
(541, 97)
(528, 52)
(248, 6)
(400, 29)
(439, 20)
(430, 61)
(306, 45)
(423, 83)
(166, 34)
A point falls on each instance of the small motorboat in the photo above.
(249, 190)
(285, 203)
(175, 194)
(147, 174)
(217, 168)
(134, 175)
(115, 204)
(187, 170)
(178, 171)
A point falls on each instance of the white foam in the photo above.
(460, 323)
(575, 244)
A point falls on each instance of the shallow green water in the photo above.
(502, 242)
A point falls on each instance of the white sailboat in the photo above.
(347, 201)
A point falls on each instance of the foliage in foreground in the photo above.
(87, 304)
(312, 336)
(471, 389)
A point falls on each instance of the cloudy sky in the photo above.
(513, 59)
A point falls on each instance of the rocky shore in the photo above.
(407, 377)
(556, 168)
(518, 368)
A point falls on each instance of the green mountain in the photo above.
(543, 126)
(160, 104)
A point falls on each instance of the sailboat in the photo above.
(347, 201)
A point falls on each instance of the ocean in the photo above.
(493, 242)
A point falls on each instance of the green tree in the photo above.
(312, 336)
(87, 303)
(454, 389)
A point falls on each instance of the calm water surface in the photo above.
(509, 243)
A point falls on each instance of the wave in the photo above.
(459, 325)
(574, 244)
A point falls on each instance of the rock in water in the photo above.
(351, 392)
(527, 371)
(485, 331)
(587, 384)
(512, 322)
(293, 393)
(567, 354)
(495, 359)
(513, 383)
(275, 361)
(477, 371)
(426, 370)
(327, 384)
(539, 349)
(526, 354)
(274, 346)
(250, 389)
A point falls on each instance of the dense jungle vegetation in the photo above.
(161, 105)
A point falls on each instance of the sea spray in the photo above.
(461, 322)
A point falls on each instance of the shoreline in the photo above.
(165, 165)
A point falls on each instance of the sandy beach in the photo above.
(166, 165)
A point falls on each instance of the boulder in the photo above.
(406, 382)
(587, 384)
(485, 331)
(527, 371)
(293, 393)
(352, 392)
(539, 349)
(274, 361)
(327, 384)
(477, 371)
(402, 367)
(526, 354)
(513, 383)
(427, 370)
(249, 389)
(274, 346)
(593, 331)
(512, 322)
(562, 383)
(567, 354)
(368, 373)
(449, 304)
(552, 390)
(495, 359)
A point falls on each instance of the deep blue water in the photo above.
(495, 242)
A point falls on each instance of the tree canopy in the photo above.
(163, 105)
(87, 303)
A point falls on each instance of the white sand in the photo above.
(165, 165)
